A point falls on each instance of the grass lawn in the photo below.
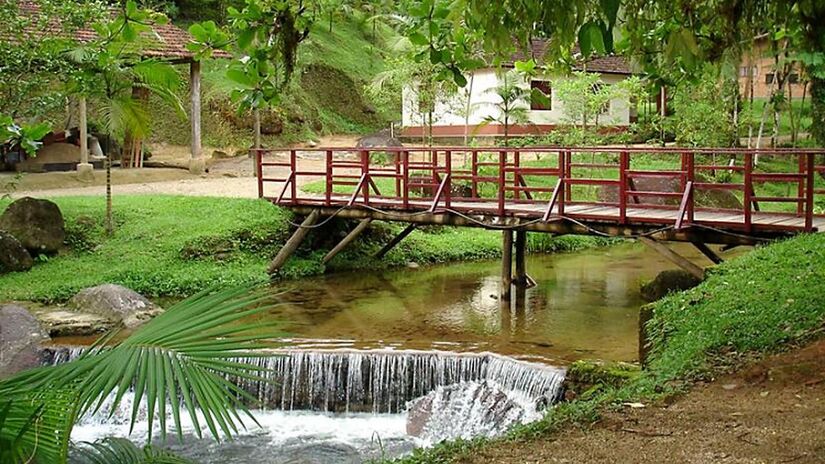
(763, 302)
(175, 246)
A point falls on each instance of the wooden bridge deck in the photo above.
(545, 195)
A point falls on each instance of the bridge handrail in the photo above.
(414, 174)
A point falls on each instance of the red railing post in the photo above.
(365, 172)
(568, 173)
(690, 179)
(502, 160)
(624, 166)
(293, 165)
(474, 174)
(449, 165)
(397, 157)
(563, 179)
(801, 182)
(809, 194)
(328, 193)
(748, 196)
(259, 171)
(516, 166)
(405, 160)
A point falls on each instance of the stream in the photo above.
(363, 347)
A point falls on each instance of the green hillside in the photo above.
(326, 95)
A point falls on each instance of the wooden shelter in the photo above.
(168, 43)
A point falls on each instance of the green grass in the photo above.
(766, 301)
(175, 246)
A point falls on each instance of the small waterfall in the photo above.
(381, 381)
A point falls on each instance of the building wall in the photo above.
(761, 66)
(448, 117)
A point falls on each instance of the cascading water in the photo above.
(448, 395)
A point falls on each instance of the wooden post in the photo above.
(294, 242)
(361, 227)
(85, 170)
(710, 254)
(521, 255)
(506, 264)
(396, 240)
(197, 165)
(674, 257)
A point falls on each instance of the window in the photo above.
(793, 78)
(746, 71)
(597, 88)
(541, 104)
(769, 78)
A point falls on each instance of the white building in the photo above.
(449, 114)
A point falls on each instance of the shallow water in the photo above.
(585, 306)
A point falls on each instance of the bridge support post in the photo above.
(705, 250)
(521, 279)
(506, 264)
(361, 227)
(294, 242)
(674, 257)
(396, 240)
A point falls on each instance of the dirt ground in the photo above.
(771, 412)
(226, 176)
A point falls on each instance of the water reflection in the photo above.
(584, 304)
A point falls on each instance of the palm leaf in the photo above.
(185, 353)
(122, 451)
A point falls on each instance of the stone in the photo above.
(13, 256)
(73, 324)
(413, 265)
(197, 166)
(37, 224)
(20, 340)
(674, 280)
(85, 172)
(116, 303)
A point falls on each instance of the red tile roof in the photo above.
(609, 64)
(167, 40)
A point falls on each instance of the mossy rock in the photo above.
(585, 376)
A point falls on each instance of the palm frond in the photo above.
(122, 451)
(178, 361)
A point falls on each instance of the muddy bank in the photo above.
(770, 412)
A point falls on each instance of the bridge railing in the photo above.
(598, 183)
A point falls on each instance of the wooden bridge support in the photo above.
(705, 250)
(396, 240)
(361, 227)
(674, 257)
(506, 264)
(294, 242)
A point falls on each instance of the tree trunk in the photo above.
(110, 225)
(818, 110)
(468, 109)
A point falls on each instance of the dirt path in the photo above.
(772, 412)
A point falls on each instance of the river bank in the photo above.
(765, 302)
(175, 246)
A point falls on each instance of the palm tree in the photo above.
(111, 69)
(177, 362)
(512, 105)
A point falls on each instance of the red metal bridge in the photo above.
(703, 196)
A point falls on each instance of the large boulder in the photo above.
(13, 256)
(382, 139)
(674, 280)
(116, 303)
(73, 324)
(20, 340)
(36, 224)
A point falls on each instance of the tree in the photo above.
(512, 102)
(110, 67)
(176, 363)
